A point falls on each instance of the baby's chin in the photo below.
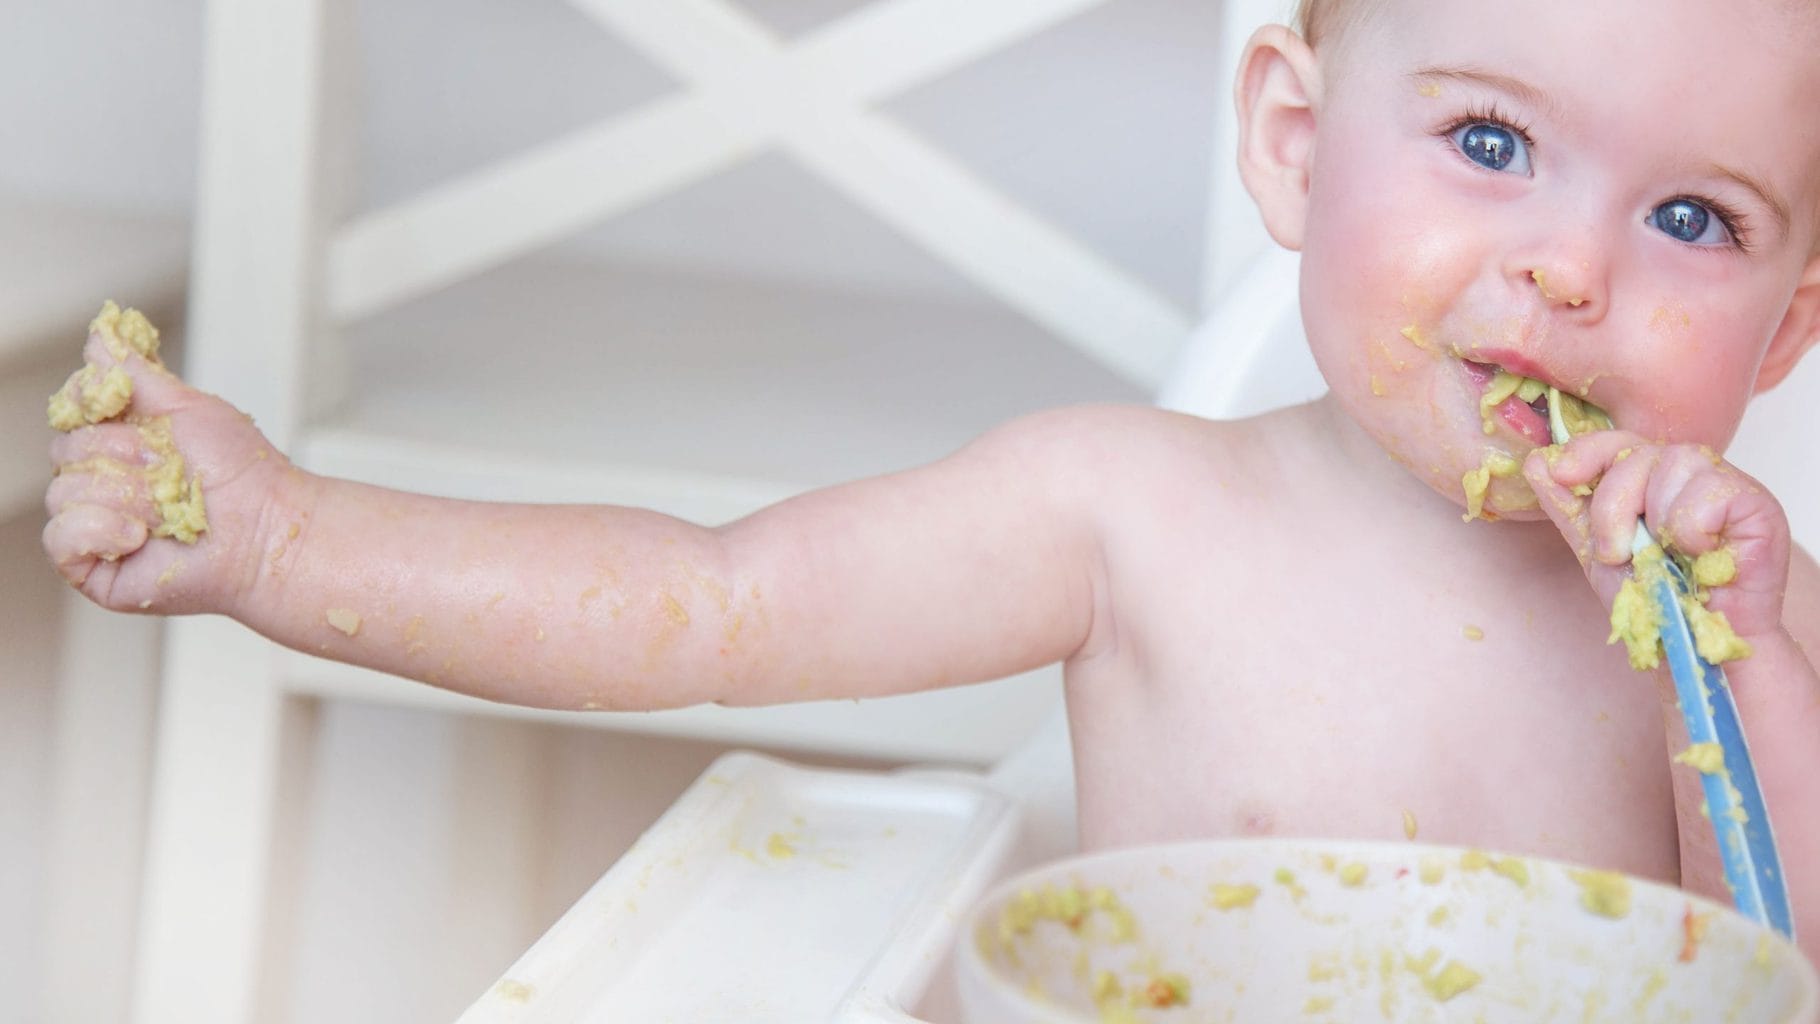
(1506, 499)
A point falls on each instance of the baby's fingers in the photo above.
(1571, 514)
(81, 536)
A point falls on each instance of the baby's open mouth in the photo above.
(1522, 404)
(1519, 402)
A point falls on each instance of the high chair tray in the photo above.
(770, 892)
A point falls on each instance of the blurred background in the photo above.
(779, 289)
(748, 328)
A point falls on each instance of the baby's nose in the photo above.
(1564, 276)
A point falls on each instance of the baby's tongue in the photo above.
(1519, 403)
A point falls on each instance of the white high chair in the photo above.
(280, 271)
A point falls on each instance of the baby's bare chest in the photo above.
(1351, 702)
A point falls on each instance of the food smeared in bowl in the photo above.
(1290, 930)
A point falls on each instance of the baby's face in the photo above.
(1615, 198)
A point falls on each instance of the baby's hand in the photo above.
(1694, 502)
(161, 505)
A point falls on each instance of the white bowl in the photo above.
(1341, 931)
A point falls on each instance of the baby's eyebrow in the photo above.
(1522, 91)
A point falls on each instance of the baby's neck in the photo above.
(1380, 487)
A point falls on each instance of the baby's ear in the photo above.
(1799, 330)
(1279, 85)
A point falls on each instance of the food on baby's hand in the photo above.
(1716, 568)
(92, 396)
(89, 396)
(1637, 620)
(181, 514)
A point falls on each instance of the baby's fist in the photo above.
(129, 525)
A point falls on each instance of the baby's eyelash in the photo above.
(1489, 113)
(1736, 224)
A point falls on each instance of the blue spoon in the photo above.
(1734, 800)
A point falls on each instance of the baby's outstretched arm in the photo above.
(1697, 503)
(978, 566)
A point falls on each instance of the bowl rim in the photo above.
(970, 962)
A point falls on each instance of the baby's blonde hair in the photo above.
(1322, 20)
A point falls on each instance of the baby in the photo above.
(1272, 626)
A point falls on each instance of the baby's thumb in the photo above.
(126, 339)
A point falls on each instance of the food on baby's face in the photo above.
(1476, 482)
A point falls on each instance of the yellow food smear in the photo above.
(1635, 618)
(1228, 897)
(1707, 758)
(1286, 878)
(1431, 870)
(1106, 987)
(1714, 637)
(1512, 868)
(1451, 980)
(1605, 893)
(1502, 386)
(345, 619)
(1578, 416)
(89, 396)
(1318, 1004)
(126, 330)
(1409, 823)
(181, 514)
(779, 846)
(1716, 568)
(1353, 874)
(1472, 633)
(1474, 860)
(1476, 482)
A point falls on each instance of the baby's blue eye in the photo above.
(1493, 146)
(1690, 222)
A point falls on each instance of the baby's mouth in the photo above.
(1519, 402)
